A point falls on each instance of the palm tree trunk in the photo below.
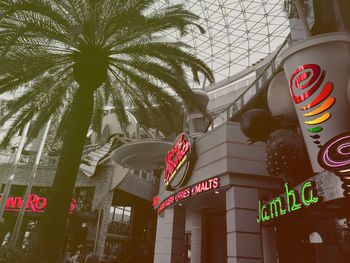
(51, 230)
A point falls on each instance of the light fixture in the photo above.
(216, 192)
(315, 238)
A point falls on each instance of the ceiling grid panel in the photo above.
(239, 33)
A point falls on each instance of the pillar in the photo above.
(195, 119)
(103, 227)
(170, 237)
(268, 236)
(196, 238)
(243, 231)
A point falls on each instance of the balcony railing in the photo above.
(231, 88)
(255, 86)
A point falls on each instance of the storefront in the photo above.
(109, 211)
(81, 215)
(284, 201)
(228, 209)
(212, 215)
(131, 228)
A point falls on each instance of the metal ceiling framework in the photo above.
(238, 32)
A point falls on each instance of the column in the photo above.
(170, 237)
(196, 238)
(268, 235)
(243, 232)
(103, 227)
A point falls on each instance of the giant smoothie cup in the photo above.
(318, 71)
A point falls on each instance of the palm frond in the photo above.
(62, 57)
(17, 123)
(173, 17)
(163, 51)
(50, 105)
(118, 103)
(40, 7)
(65, 112)
(97, 114)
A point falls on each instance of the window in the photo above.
(120, 220)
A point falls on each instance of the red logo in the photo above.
(155, 200)
(35, 204)
(179, 162)
(175, 158)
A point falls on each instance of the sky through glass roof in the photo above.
(239, 32)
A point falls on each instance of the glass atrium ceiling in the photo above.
(238, 32)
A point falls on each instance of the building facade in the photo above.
(111, 207)
(215, 212)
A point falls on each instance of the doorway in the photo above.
(216, 251)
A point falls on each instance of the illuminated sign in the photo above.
(334, 156)
(35, 204)
(201, 187)
(288, 203)
(155, 200)
(178, 163)
(312, 73)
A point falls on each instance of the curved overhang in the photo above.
(147, 154)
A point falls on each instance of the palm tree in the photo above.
(65, 56)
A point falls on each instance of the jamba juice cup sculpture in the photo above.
(318, 71)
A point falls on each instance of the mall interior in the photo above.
(264, 179)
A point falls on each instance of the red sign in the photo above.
(35, 204)
(176, 159)
(204, 186)
(155, 200)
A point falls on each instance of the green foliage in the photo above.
(53, 145)
(47, 47)
(65, 56)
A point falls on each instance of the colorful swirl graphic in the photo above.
(335, 156)
(311, 77)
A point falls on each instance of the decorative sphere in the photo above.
(286, 155)
(202, 99)
(257, 124)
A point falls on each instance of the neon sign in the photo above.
(201, 187)
(155, 200)
(35, 204)
(177, 163)
(335, 156)
(280, 206)
(314, 82)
